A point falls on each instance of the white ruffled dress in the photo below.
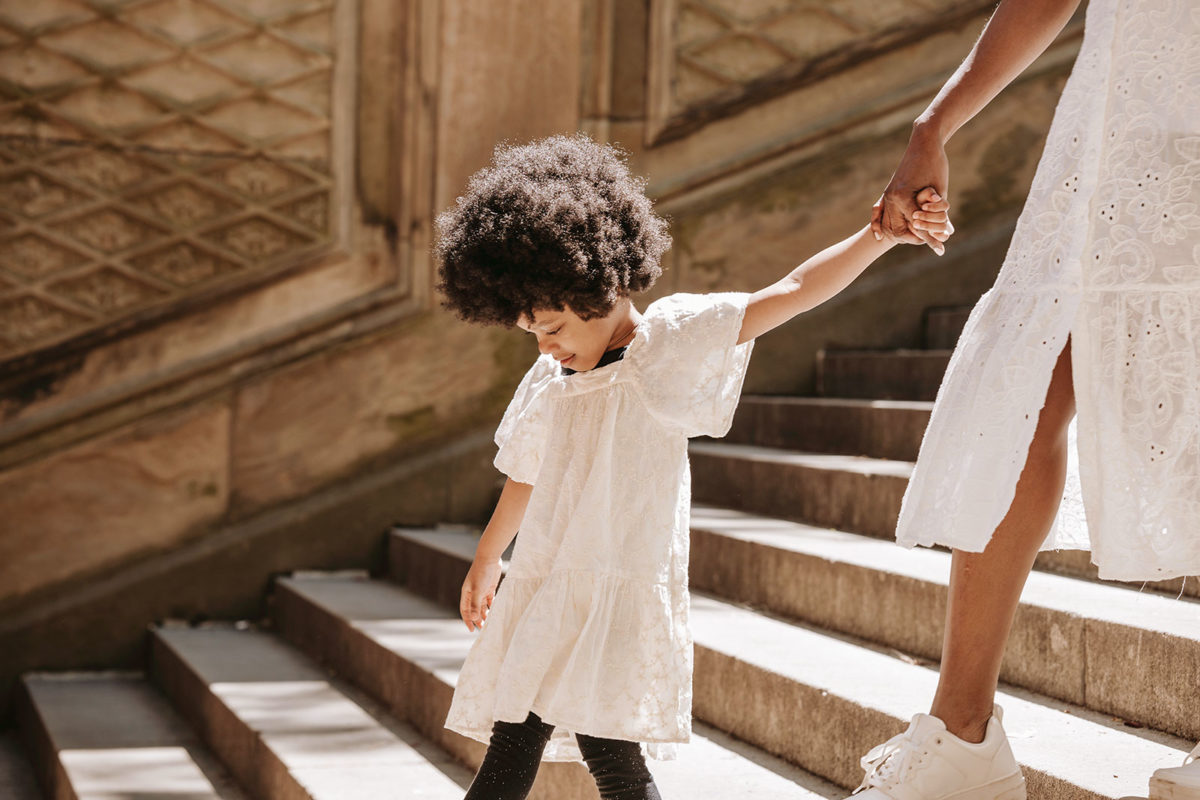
(1106, 252)
(589, 630)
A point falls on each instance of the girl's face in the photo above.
(573, 342)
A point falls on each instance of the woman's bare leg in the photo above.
(986, 587)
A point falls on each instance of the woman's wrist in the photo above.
(929, 130)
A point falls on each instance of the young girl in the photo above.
(586, 653)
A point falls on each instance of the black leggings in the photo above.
(515, 752)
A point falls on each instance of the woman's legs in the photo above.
(512, 760)
(986, 587)
(619, 768)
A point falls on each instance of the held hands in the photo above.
(928, 221)
(924, 164)
(478, 591)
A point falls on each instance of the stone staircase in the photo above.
(815, 640)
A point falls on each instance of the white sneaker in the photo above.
(927, 762)
(1178, 783)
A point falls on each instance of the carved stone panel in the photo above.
(708, 58)
(158, 148)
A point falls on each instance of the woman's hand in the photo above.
(478, 591)
(924, 164)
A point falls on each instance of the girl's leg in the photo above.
(512, 760)
(986, 587)
(619, 768)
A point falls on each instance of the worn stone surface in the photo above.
(106, 501)
(878, 429)
(820, 700)
(881, 375)
(383, 637)
(16, 775)
(488, 51)
(101, 736)
(102, 622)
(849, 493)
(299, 428)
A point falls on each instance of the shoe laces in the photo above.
(890, 763)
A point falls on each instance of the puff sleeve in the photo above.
(522, 434)
(690, 366)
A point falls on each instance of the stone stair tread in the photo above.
(835, 402)
(1064, 744)
(1081, 748)
(16, 774)
(328, 743)
(890, 352)
(113, 735)
(1107, 602)
(433, 638)
(826, 461)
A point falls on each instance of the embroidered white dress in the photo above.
(1106, 252)
(589, 630)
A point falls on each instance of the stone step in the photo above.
(890, 429)
(16, 773)
(1134, 655)
(1078, 564)
(408, 650)
(943, 326)
(881, 374)
(284, 728)
(102, 736)
(851, 493)
(820, 701)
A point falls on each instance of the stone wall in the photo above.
(220, 354)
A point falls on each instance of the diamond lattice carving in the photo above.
(29, 17)
(36, 257)
(184, 205)
(26, 319)
(257, 238)
(719, 47)
(106, 290)
(109, 107)
(152, 148)
(185, 81)
(110, 231)
(187, 22)
(35, 68)
(30, 194)
(185, 265)
(107, 45)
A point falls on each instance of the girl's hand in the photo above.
(933, 218)
(478, 591)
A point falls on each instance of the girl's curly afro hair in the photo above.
(553, 224)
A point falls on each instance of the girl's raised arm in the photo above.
(831, 270)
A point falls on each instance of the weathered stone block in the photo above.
(130, 493)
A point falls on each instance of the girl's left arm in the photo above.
(829, 272)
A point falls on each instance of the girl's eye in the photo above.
(553, 332)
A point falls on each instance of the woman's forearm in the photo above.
(505, 521)
(1017, 33)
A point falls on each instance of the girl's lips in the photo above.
(564, 361)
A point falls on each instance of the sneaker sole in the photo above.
(1010, 788)
(1163, 789)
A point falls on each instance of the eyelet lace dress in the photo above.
(589, 629)
(1107, 253)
